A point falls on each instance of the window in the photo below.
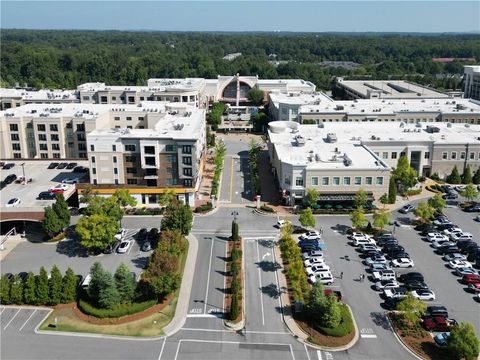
(53, 127)
(43, 147)
(54, 137)
(80, 127)
(115, 171)
(131, 99)
(170, 148)
(384, 155)
(103, 99)
(379, 180)
(55, 147)
(30, 125)
(336, 180)
(116, 181)
(299, 181)
(44, 155)
(15, 137)
(69, 125)
(129, 147)
(377, 153)
(325, 181)
(402, 153)
(368, 180)
(358, 180)
(142, 98)
(187, 171)
(17, 155)
(114, 159)
(116, 118)
(15, 146)
(13, 127)
(82, 146)
(82, 155)
(94, 171)
(141, 118)
(129, 127)
(346, 180)
(56, 155)
(81, 137)
(150, 160)
(444, 155)
(130, 159)
(453, 156)
(93, 159)
(94, 181)
(114, 147)
(462, 155)
(426, 155)
(131, 170)
(472, 156)
(149, 149)
(187, 160)
(132, 181)
(172, 158)
(187, 149)
(114, 98)
(92, 147)
(187, 183)
(314, 181)
(169, 170)
(42, 137)
(41, 127)
(86, 98)
(394, 154)
(122, 98)
(129, 118)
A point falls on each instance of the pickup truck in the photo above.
(438, 323)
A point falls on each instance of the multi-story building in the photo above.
(471, 81)
(12, 98)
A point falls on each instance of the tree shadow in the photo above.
(223, 273)
(268, 266)
(71, 248)
(285, 310)
(223, 258)
(342, 229)
(224, 290)
(271, 290)
(266, 243)
(140, 262)
(380, 319)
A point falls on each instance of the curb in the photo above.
(399, 339)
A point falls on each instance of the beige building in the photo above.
(471, 81)
(12, 98)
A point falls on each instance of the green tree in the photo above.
(235, 231)
(384, 199)
(463, 343)
(167, 197)
(476, 177)
(55, 286)
(16, 290)
(392, 191)
(255, 96)
(469, 192)
(260, 121)
(358, 218)
(29, 291)
(61, 209)
(361, 199)
(69, 287)
(424, 211)
(51, 224)
(123, 198)
(108, 296)
(5, 286)
(404, 173)
(324, 310)
(437, 202)
(311, 197)
(413, 308)
(467, 175)
(96, 232)
(42, 287)
(306, 218)
(88, 194)
(179, 217)
(381, 218)
(454, 177)
(331, 313)
(161, 286)
(125, 282)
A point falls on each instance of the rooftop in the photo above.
(153, 85)
(297, 98)
(39, 95)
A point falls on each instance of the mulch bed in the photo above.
(116, 321)
(228, 280)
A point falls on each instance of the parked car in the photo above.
(86, 282)
(375, 259)
(465, 271)
(386, 284)
(436, 236)
(310, 235)
(397, 254)
(473, 208)
(314, 261)
(10, 179)
(441, 339)
(310, 247)
(475, 287)
(406, 209)
(428, 228)
(146, 246)
(454, 256)
(365, 247)
(436, 310)
(336, 293)
(12, 202)
(452, 230)
(379, 267)
(411, 276)
(399, 293)
(438, 323)
(71, 165)
(46, 195)
(441, 243)
(62, 165)
(324, 278)
(477, 218)
(124, 246)
(455, 264)
(112, 247)
(141, 234)
(80, 169)
(463, 236)
(281, 223)
(310, 254)
(424, 294)
(52, 165)
(391, 303)
(120, 234)
(384, 275)
(471, 279)
(450, 196)
(8, 166)
(446, 225)
(303, 243)
(317, 268)
(447, 250)
(71, 181)
(402, 263)
(59, 189)
(415, 285)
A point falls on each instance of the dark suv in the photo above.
(411, 276)
(9, 179)
(447, 250)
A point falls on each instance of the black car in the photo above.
(153, 236)
(450, 196)
(386, 240)
(45, 195)
(447, 226)
(9, 179)
(437, 310)
(391, 303)
(70, 166)
(411, 276)
(23, 275)
(392, 247)
(428, 229)
(62, 165)
(146, 246)
(474, 208)
(450, 249)
(52, 165)
(474, 255)
(9, 276)
(142, 234)
(8, 166)
(397, 255)
(416, 285)
(369, 253)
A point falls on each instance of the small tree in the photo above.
(358, 218)
(29, 291)
(234, 308)
(476, 177)
(392, 191)
(463, 343)
(424, 211)
(361, 198)
(235, 231)
(311, 197)
(381, 218)
(108, 296)
(88, 194)
(61, 209)
(437, 202)
(123, 198)
(16, 290)
(404, 173)
(167, 197)
(179, 217)
(413, 308)
(467, 175)
(51, 224)
(69, 287)
(454, 177)
(255, 96)
(306, 218)
(332, 315)
(125, 282)
(42, 287)
(384, 199)
(96, 232)
(5, 286)
(55, 286)
(469, 192)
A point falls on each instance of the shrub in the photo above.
(203, 208)
(267, 209)
(234, 268)
(235, 286)
(116, 311)
(421, 179)
(234, 308)
(58, 237)
(435, 177)
(411, 192)
(148, 211)
(345, 327)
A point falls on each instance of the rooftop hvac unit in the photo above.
(346, 160)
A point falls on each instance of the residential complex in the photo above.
(471, 81)
(12, 98)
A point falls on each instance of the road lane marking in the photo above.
(25, 323)
(161, 350)
(225, 279)
(278, 283)
(230, 331)
(260, 282)
(12, 319)
(208, 279)
(306, 350)
(203, 316)
(265, 255)
(368, 336)
(319, 355)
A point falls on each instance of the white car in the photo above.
(386, 284)
(379, 267)
(440, 243)
(455, 264)
(436, 236)
(465, 271)
(424, 294)
(313, 261)
(453, 230)
(462, 236)
(281, 223)
(124, 246)
(324, 278)
(366, 247)
(71, 181)
(317, 268)
(403, 263)
(120, 234)
(377, 259)
(454, 256)
(311, 235)
(384, 275)
(396, 293)
(12, 202)
(59, 187)
(309, 254)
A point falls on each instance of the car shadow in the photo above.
(266, 243)
(380, 319)
(268, 266)
(140, 262)
(271, 290)
(71, 248)
(342, 229)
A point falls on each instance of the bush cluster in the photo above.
(267, 209)
(203, 208)
(119, 310)
(411, 192)
(344, 328)
(435, 188)
(148, 211)
(215, 115)
(218, 158)
(235, 263)
(253, 163)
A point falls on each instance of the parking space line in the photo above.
(161, 350)
(25, 323)
(260, 283)
(306, 350)
(208, 279)
(6, 326)
(319, 355)
(3, 309)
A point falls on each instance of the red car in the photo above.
(438, 323)
(335, 293)
(471, 279)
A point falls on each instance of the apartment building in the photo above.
(12, 98)
(471, 81)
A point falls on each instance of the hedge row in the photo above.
(218, 161)
(345, 327)
(253, 163)
(203, 208)
(412, 192)
(267, 209)
(117, 311)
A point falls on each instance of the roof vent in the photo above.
(331, 138)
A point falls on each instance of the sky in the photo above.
(299, 16)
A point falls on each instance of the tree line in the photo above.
(64, 59)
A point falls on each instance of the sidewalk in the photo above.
(10, 244)
(400, 202)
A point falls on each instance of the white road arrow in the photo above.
(265, 255)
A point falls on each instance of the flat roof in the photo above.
(153, 85)
(317, 153)
(39, 95)
(297, 98)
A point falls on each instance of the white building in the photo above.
(471, 81)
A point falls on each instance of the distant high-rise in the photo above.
(471, 81)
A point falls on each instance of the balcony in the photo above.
(151, 174)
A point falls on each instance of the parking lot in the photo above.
(19, 320)
(42, 179)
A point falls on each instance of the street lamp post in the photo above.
(23, 170)
(235, 214)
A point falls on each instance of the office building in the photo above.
(471, 81)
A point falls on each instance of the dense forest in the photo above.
(64, 59)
